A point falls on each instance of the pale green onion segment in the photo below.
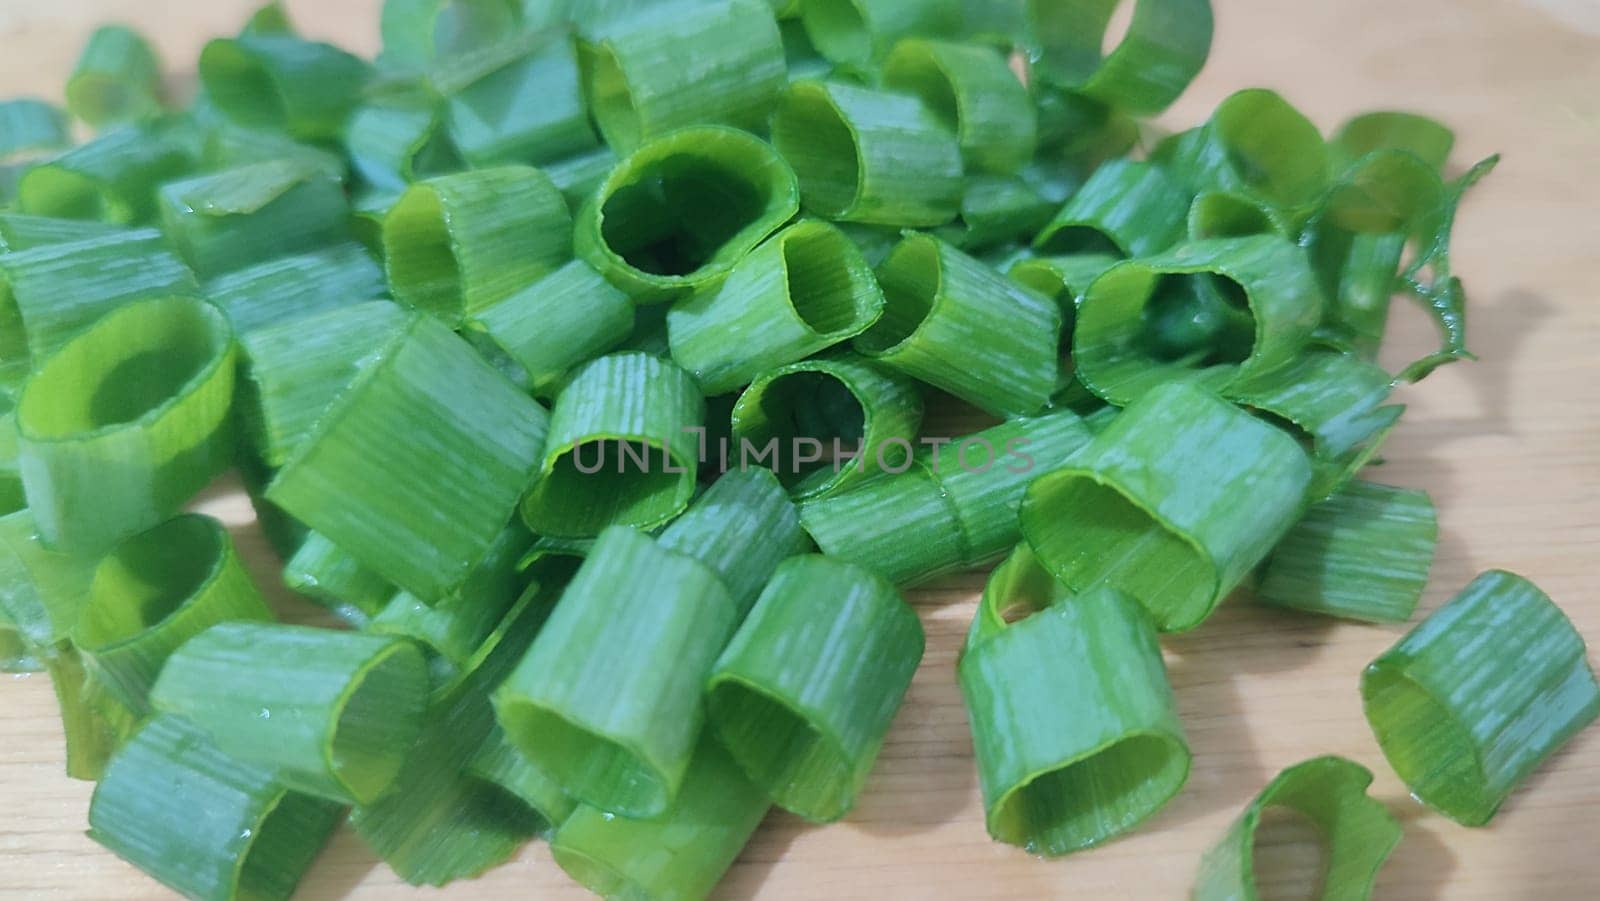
(233, 219)
(742, 527)
(117, 79)
(113, 178)
(283, 83)
(519, 100)
(974, 92)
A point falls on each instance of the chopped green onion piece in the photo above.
(230, 220)
(1473, 699)
(1165, 46)
(420, 514)
(283, 83)
(1258, 146)
(1073, 723)
(577, 177)
(868, 156)
(1081, 132)
(560, 321)
(117, 79)
(608, 700)
(458, 243)
(1015, 589)
(439, 823)
(667, 66)
(857, 33)
(1330, 475)
(19, 232)
(1358, 832)
(806, 289)
(113, 178)
(154, 592)
(331, 713)
(286, 289)
(28, 125)
(1174, 503)
(1219, 312)
(1066, 279)
(1126, 208)
(972, 90)
(1332, 397)
(741, 528)
(499, 762)
(1393, 130)
(997, 210)
(416, 33)
(94, 722)
(843, 408)
(127, 422)
(679, 212)
(228, 146)
(552, 561)
(271, 18)
(804, 694)
(955, 323)
(519, 100)
(621, 449)
(41, 591)
(682, 853)
(1362, 554)
(399, 139)
(324, 572)
(1219, 214)
(946, 509)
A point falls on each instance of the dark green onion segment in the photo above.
(419, 513)
(113, 178)
(203, 823)
(117, 79)
(1366, 133)
(868, 156)
(996, 212)
(325, 573)
(1473, 699)
(1334, 399)
(1065, 279)
(1331, 792)
(500, 763)
(1163, 50)
(608, 700)
(127, 422)
(1214, 311)
(332, 713)
(856, 33)
(622, 448)
(844, 409)
(518, 100)
(806, 289)
(283, 83)
(972, 89)
(398, 138)
(804, 695)
(955, 323)
(232, 219)
(679, 212)
(742, 528)
(154, 592)
(1073, 723)
(458, 243)
(1126, 208)
(666, 66)
(1174, 503)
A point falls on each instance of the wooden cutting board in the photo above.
(1507, 447)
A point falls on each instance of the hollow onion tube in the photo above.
(331, 713)
(292, 287)
(804, 290)
(741, 528)
(1358, 832)
(868, 156)
(1173, 503)
(1331, 397)
(113, 178)
(679, 212)
(94, 722)
(1219, 214)
(230, 220)
(1065, 279)
(1216, 312)
(105, 454)
(60, 290)
(117, 79)
(295, 371)
(1473, 699)
(958, 325)
(325, 573)
(997, 210)
(621, 448)
(519, 100)
(804, 694)
(154, 592)
(28, 125)
(608, 700)
(959, 501)
(681, 854)
(499, 762)
(458, 243)
(844, 409)
(856, 33)
(1362, 554)
(667, 66)
(420, 514)
(973, 91)
(1165, 46)
(439, 823)
(283, 83)
(202, 822)
(1073, 723)
(1128, 208)
(400, 137)
(560, 321)
(1393, 130)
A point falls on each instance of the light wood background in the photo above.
(1507, 447)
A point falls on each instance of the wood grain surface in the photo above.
(1506, 446)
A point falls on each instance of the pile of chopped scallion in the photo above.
(575, 357)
